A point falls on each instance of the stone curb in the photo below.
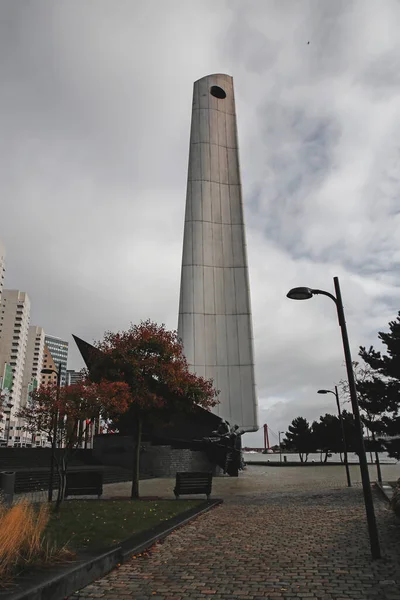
(385, 490)
(265, 463)
(140, 542)
(66, 580)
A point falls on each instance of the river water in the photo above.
(314, 457)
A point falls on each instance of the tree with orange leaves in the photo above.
(69, 406)
(150, 359)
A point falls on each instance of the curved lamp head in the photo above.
(48, 371)
(300, 293)
(323, 391)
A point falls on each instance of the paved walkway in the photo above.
(279, 536)
(255, 480)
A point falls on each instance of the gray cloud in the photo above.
(95, 116)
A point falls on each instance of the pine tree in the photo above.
(379, 393)
(299, 437)
(327, 435)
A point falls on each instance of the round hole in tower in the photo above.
(217, 92)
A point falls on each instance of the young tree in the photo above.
(372, 403)
(58, 413)
(299, 437)
(150, 359)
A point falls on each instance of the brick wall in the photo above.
(156, 461)
(164, 461)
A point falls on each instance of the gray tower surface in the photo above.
(215, 322)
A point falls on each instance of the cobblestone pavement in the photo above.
(255, 479)
(304, 540)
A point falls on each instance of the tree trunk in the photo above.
(326, 457)
(62, 474)
(301, 457)
(136, 460)
(58, 470)
(86, 435)
(341, 457)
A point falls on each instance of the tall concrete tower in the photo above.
(215, 322)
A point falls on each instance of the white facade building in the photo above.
(33, 361)
(2, 267)
(215, 322)
(14, 328)
(74, 376)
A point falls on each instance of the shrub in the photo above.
(22, 538)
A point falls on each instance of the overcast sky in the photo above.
(95, 105)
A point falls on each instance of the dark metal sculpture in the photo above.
(225, 446)
(196, 430)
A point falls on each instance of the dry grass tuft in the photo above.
(22, 538)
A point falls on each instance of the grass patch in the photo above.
(94, 525)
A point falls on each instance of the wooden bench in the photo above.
(84, 483)
(193, 483)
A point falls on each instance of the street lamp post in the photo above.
(280, 447)
(8, 413)
(55, 420)
(304, 293)
(346, 462)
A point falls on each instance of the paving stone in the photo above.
(285, 540)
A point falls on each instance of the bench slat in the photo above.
(89, 483)
(193, 483)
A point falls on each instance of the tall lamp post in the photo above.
(280, 447)
(8, 413)
(346, 462)
(55, 420)
(305, 293)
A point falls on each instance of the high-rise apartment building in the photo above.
(73, 376)
(59, 351)
(5, 387)
(14, 328)
(33, 361)
(2, 267)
